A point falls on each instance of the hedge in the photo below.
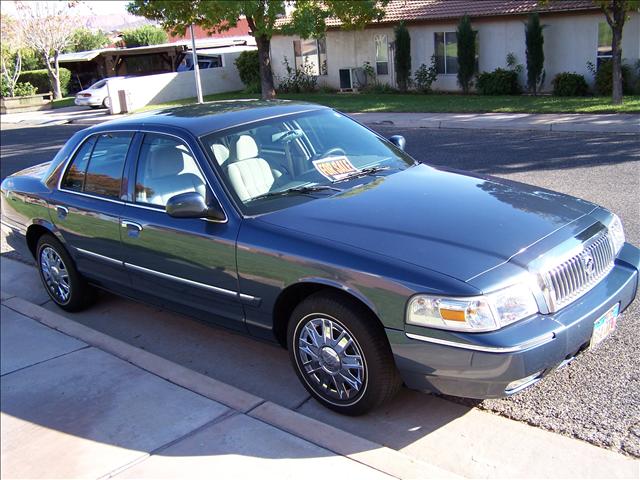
(498, 82)
(40, 80)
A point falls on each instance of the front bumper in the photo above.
(482, 365)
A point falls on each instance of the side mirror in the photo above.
(192, 205)
(399, 141)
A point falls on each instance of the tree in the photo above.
(47, 28)
(615, 11)
(403, 56)
(10, 55)
(466, 38)
(307, 20)
(534, 52)
(84, 39)
(144, 36)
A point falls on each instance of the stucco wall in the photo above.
(165, 87)
(570, 42)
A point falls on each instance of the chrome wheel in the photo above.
(331, 359)
(55, 274)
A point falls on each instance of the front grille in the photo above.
(574, 277)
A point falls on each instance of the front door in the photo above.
(86, 208)
(188, 262)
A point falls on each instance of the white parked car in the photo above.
(96, 95)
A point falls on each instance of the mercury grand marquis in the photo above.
(293, 222)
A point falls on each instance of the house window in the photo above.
(311, 55)
(382, 55)
(605, 35)
(446, 48)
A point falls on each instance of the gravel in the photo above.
(597, 397)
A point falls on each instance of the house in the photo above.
(575, 33)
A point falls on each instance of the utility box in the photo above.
(123, 100)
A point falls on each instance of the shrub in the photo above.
(403, 56)
(425, 76)
(378, 87)
(248, 65)
(143, 36)
(570, 84)
(298, 80)
(22, 89)
(466, 53)
(40, 80)
(498, 82)
(604, 78)
(534, 40)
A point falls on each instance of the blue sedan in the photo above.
(294, 223)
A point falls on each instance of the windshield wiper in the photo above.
(296, 190)
(362, 173)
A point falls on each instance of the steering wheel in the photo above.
(329, 152)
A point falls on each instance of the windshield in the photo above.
(275, 163)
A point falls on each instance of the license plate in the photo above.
(605, 325)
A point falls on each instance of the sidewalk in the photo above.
(549, 122)
(79, 404)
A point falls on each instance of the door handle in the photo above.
(62, 211)
(131, 225)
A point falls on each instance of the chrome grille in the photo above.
(575, 276)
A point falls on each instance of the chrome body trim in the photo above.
(211, 288)
(130, 224)
(534, 342)
(90, 254)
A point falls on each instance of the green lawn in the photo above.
(439, 103)
(63, 102)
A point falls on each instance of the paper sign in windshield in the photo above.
(335, 168)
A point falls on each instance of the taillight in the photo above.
(84, 94)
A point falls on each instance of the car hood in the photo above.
(454, 223)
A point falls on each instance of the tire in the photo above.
(106, 103)
(370, 377)
(59, 276)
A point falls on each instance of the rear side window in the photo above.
(74, 178)
(97, 168)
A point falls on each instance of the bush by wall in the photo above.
(498, 82)
(40, 80)
(604, 78)
(300, 80)
(20, 90)
(570, 84)
(248, 65)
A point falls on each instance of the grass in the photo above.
(441, 103)
(63, 102)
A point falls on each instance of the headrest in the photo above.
(165, 161)
(220, 152)
(246, 148)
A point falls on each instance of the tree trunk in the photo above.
(57, 91)
(54, 80)
(266, 74)
(616, 53)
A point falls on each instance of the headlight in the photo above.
(617, 233)
(473, 314)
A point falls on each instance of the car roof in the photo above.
(208, 117)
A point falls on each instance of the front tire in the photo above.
(59, 276)
(341, 355)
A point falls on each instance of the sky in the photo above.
(89, 7)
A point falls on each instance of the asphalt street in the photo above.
(596, 397)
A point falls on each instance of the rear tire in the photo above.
(106, 103)
(341, 355)
(59, 276)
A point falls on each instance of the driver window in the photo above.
(166, 168)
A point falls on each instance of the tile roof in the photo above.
(415, 10)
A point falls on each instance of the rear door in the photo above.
(87, 205)
(190, 262)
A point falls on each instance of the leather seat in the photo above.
(165, 176)
(249, 174)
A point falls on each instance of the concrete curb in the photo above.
(373, 455)
(511, 126)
